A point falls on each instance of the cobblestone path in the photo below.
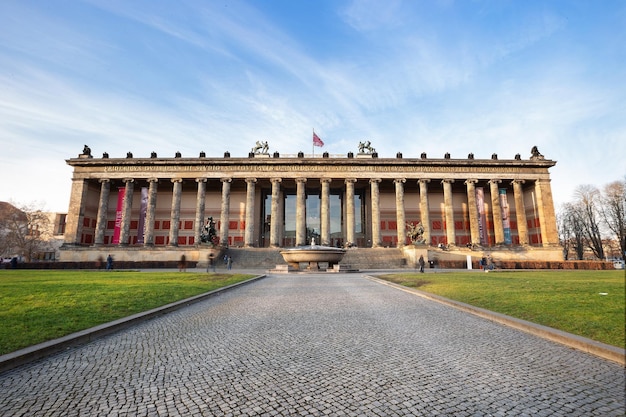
(316, 345)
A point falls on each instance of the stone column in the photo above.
(473, 211)
(325, 212)
(103, 208)
(300, 212)
(148, 239)
(376, 235)
(175, 212)
(498, 228)
(76, 212)
(449, 211)
(400, 212)
(547, 217)
(126, 211)
(249, 232)
(275, 221)
(425, 209)
(225, 211)
(350, 223)
(520, 212)
(200, 204)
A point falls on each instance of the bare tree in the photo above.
(587, 201)
(613, 211)
(571, 230)
(24, 230)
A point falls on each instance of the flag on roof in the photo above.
(317, 141)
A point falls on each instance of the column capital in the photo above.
(153, 179)
(350, 180)
(495, 181)
(326, 180)
(423, 181)
(276, 180)
(251, 180)
(301, 180)
(375, 180)
(447, 181)
(520, 182)
(226, 179)
(104, 180)
(470, 181)
(399, 180)
(175, 180)
(127, 180)
(201, 180)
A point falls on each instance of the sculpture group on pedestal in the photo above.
(209, 234)
(415, 232)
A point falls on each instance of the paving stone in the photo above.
(318, 345)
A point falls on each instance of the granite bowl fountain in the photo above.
(312, 254)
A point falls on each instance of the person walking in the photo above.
(182, 264)
(229, 263)
(421, 263)
(109, 262)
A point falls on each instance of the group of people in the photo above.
(486, 264)
(228, 262)
(108, 264)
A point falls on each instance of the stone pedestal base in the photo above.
(283, 269)
(342, 268)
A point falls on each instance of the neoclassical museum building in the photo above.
(155, 206)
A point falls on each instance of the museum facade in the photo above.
(272, 200)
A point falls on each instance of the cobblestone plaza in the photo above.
(318, 345)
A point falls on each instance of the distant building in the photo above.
(265, 200)
(30, 236)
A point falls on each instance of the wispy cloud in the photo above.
(214, 76)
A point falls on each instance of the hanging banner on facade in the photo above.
(121, 192)
(506, 212)
(482, 220)
(142, 215)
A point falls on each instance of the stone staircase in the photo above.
(374, 258)
(355, 258)
(246, 258)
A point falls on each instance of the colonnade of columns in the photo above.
(543, 194)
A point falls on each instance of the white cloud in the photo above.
(412, 77)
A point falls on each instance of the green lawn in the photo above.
(586, 303)
(36, 306)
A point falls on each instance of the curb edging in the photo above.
(584, 344)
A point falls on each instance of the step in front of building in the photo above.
(355, 258)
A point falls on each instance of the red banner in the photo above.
(121, 192)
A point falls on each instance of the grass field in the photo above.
(36, 306)
(586, 303)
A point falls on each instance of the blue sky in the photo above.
(410, 76)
